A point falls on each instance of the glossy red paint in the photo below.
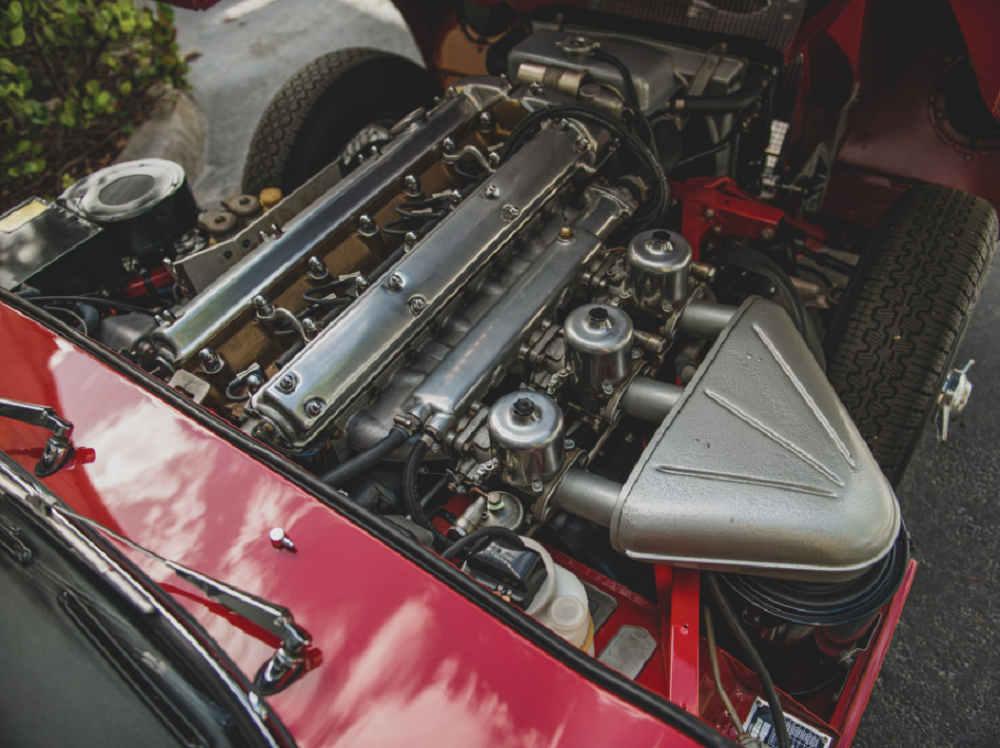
(717, 205)
(859, 686)
(405, 660)
(678, 595)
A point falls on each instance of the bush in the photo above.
(75, 77)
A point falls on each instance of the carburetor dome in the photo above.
(600, 342)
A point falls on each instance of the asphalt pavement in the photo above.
(940, 685)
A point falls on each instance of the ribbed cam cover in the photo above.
(758, 468)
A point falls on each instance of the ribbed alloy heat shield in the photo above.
(758, 468)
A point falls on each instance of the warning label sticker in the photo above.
(760, 725)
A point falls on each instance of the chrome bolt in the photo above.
(582, 144)
(418, 304)
(569, 443)
(314, 407)
(629, 437)
(361, 283)
(667, 307)
(281, 541)
(395, 282)
(410, 239)
(287, 383)
(607, 388)
(565, 234)
(448, 147)
(562, 124)
(253, 382)
(767, 234)
(211, 362)
(485, 122)
(411, 186)
(264, 307)
(492, 192)
(317, 270)
(636, 354)
(366, 226)
(536, 88)
(309, 326)
(536, 485)
(375, 151)
(511, 212)
(709, 213)
(494, 159)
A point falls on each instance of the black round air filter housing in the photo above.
(144, 206)
(843, 609)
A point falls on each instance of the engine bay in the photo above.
(538, 326)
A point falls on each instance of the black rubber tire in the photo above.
(904, 313)
(323, 106)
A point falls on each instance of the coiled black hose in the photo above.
(756, 663)
(411, 498)
(360, 462)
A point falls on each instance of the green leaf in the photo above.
(17, 36)
(14, 12)
(7, 67)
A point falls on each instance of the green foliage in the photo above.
(75, 67)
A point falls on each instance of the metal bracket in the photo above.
(58, 447)
(954, 397)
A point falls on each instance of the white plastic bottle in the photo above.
(561, 603)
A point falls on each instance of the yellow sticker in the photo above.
(11, 223)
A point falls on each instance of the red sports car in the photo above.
(552, 394)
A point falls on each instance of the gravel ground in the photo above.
(939, 685)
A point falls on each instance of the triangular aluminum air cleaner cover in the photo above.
(758, 468)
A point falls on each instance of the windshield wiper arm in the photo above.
(58, 447)
(287, 663)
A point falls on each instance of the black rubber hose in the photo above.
(428, 498)
(95, 300)
(756, 262)
(726, 104)
(655, 209)
(478, 535)
(363, 460)
(630, 93)
(411, 499)
(231, 391)
(755, 662)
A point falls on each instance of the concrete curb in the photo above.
(177, 131)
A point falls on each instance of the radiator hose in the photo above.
(364, 460)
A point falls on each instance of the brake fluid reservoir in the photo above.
(526, 429)
(600, 343)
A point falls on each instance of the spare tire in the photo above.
(898, 327)
(346, 99)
